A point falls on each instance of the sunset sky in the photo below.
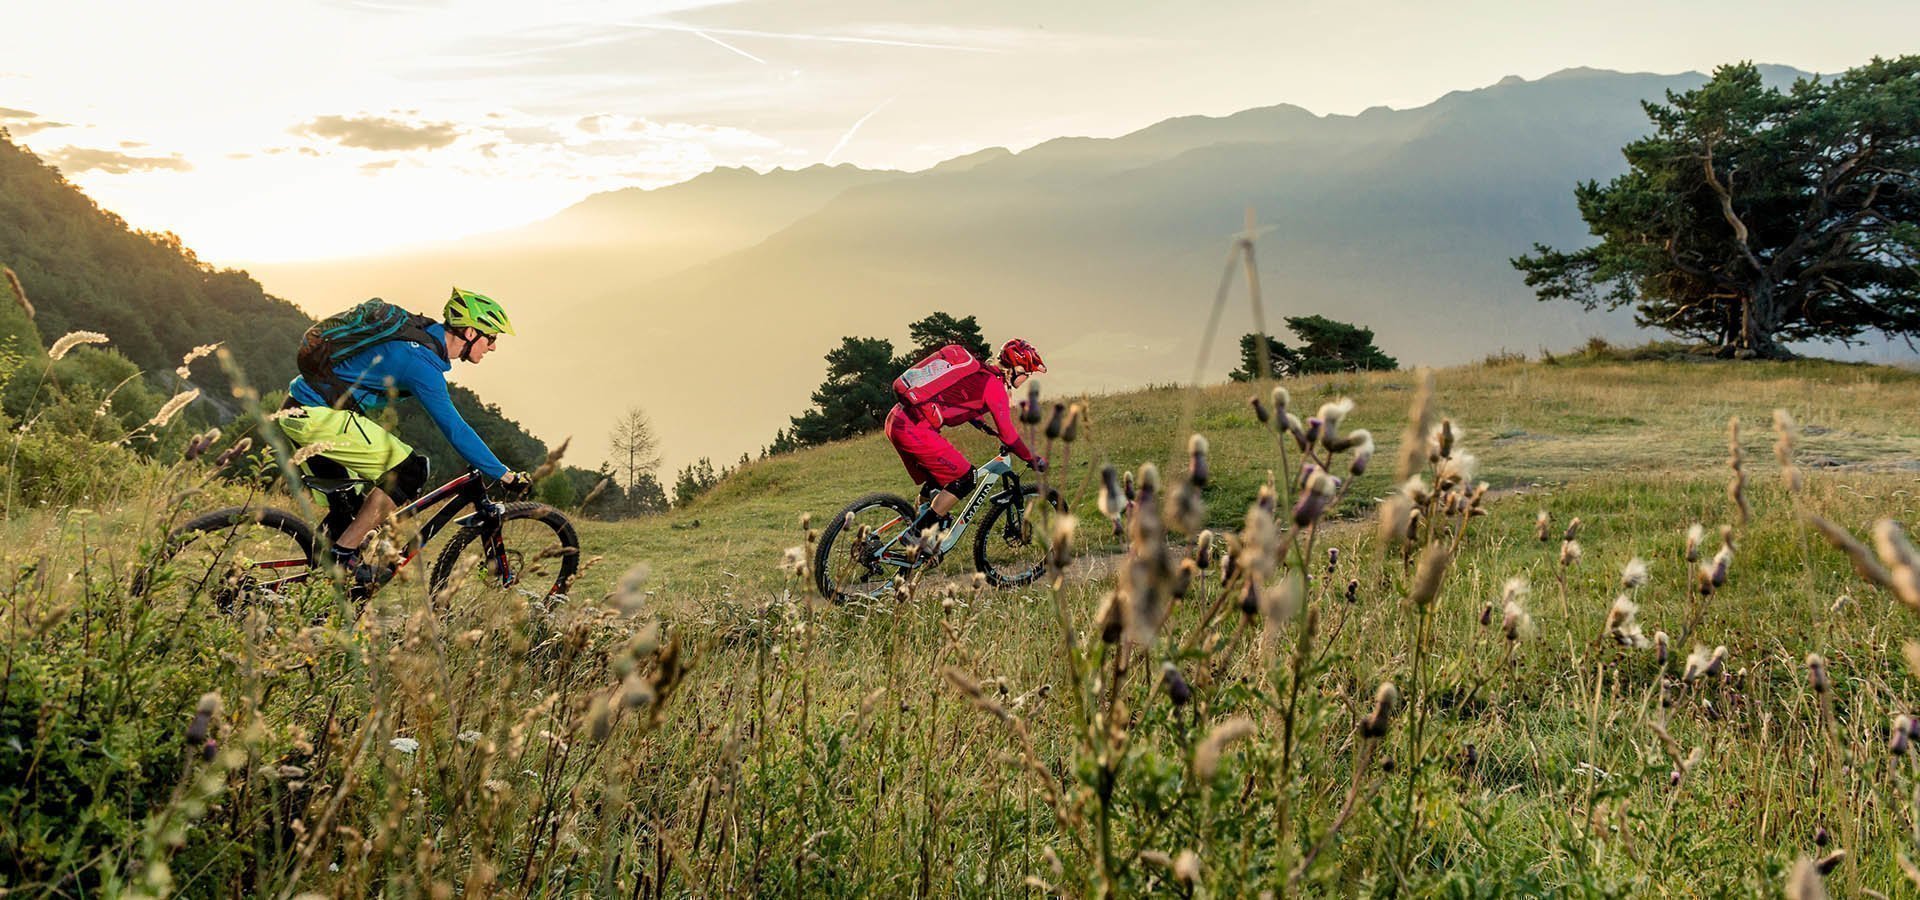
(272, 131)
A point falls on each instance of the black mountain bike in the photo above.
(245, 553)
(864, 552)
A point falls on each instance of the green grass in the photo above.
(814, 749)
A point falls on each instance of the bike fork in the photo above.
(495, 550)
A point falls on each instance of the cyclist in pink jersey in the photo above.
(938, 467)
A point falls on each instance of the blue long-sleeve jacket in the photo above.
(402, 369)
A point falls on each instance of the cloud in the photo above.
(380, 133)
(7, 113)
(376, 167)
(74, 160)
(19, 122)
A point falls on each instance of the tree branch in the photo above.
(1726, 208)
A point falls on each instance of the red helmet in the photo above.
(1018, 354)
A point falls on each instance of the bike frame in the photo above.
(469, 489)
(989, 474)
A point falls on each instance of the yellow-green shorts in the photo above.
(350, 439)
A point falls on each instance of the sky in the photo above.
(311, 129)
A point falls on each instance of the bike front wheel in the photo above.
(851, 561)
(1010, 547)
(535, 552)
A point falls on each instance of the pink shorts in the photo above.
(927, 455)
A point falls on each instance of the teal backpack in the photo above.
(344, 335)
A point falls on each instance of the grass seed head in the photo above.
(73, 339)
(19, 292)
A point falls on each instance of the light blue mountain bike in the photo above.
(865, 551)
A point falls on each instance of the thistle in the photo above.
(1386, 702)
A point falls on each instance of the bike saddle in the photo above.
(334, 485)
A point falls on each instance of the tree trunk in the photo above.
(1760, 314)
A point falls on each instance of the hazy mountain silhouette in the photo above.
(710, 303)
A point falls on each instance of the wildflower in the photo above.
(1197, 454)
(1817, 676)
(1072, 429)
(1898, 738)
(1695, 534)
(1330, 416)
(1457, 469)
(1362, 453)
(1621, 625)
(1573, 529)
(1821, 836)
(1542, 525)
(1206, 757)
(1281, 399)
(1203, 550)
(1440, 441)
(1113, 503)
(71, 340)
(405, 745)
(1060, 543)
(793, 560)
(1301, 438)
(1314, 501)
(1702, 663)
(1635, 574)
(1260, 411)
(1386, 702)
(1353, 590)
(1030, 411)
(1333, 558)
(1396, 519)
(1177, 688)
(1056, 421)
(201, 443)
(1660, 642)
(1569, 553)
(1515, 623)
(202, 724)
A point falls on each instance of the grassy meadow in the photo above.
(1261, 717)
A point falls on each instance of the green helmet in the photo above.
(469, 309)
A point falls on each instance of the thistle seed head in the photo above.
(1634, 575)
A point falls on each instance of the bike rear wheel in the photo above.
(538, 554)
(848, 564)
(236, 556)
(1010, 546)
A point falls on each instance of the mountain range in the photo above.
(710, 303)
